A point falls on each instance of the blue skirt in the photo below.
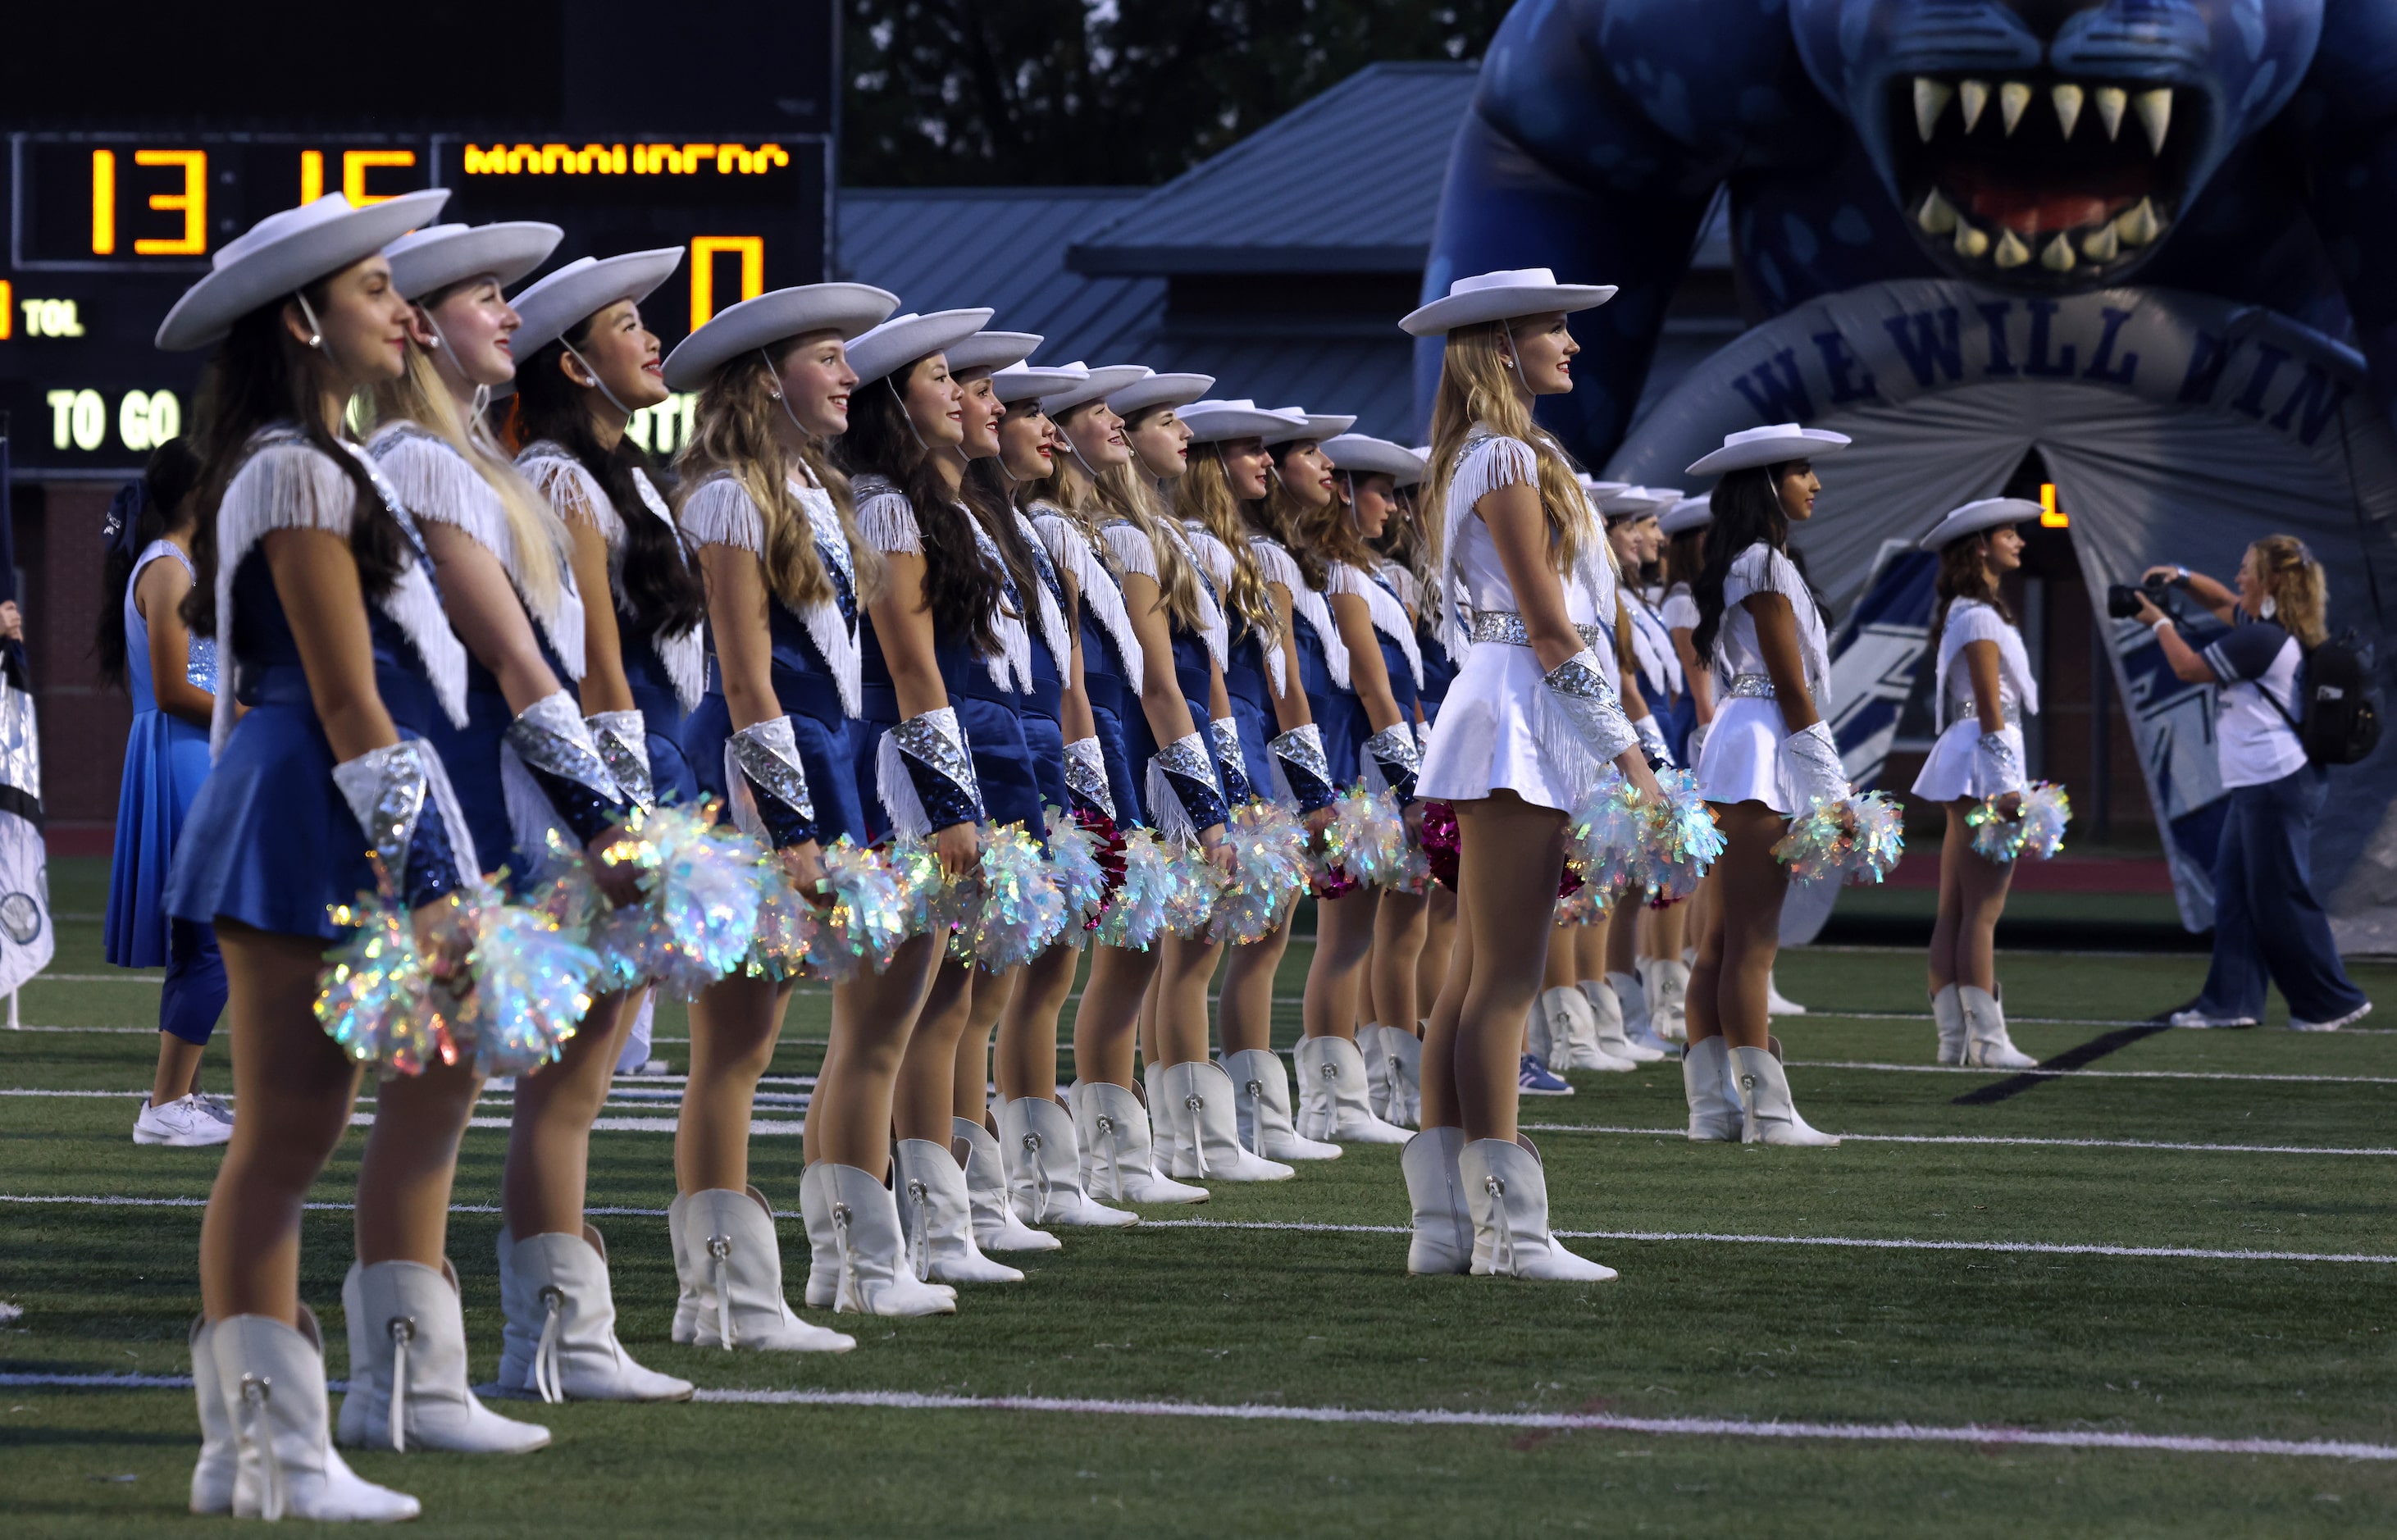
(165, 762)
(1130, 811)
(827, 751)
(1046, 740)
(1340, 719)
(277, 845)
(1002, 761)
(471, 755)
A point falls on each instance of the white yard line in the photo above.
(1979, 1436)
(2095, 1074)
(1994, 1139)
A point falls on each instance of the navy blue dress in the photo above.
(1044, 732)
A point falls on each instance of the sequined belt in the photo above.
(1753, 686)
(1507, 625)
(1966, 709)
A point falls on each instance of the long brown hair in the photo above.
(1204, 497)
(2294, 581)
(1285, 516)
(733, 433)
(1685, 558)
(1132, 496)
(1476, 385)
(1964, 574)
(961, 590)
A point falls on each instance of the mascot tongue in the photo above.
(2033, 209)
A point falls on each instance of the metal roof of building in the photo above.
(1381, 137)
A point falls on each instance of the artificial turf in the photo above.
(1279, 1317)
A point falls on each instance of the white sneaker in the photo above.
(215, 1107)
(2349, 1020)
(182, 1123)
(2201, 1021)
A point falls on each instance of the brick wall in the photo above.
(83, 724)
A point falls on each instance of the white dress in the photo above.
(1497, 727)
(1741, 761)
(1954, 767)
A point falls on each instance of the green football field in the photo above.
(2149, 1296)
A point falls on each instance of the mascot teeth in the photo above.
(2013, 97)
(2139, 225)
(2112, 102)
(2057, 255)
(2155, 115)
(2011, 250)
(2103, 246)
(1975, 97)
(1931, 98)
(1937, 215)
(1971, 242)
(2067, 99)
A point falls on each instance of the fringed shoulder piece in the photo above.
(1214, 627)
(1101, 594)
(1487, 463)
(719, 510)
(885, 519)
(1054, 633)
(833, 633)
(1388, 615)
(1763, 570)
(571, 489)
(1404, 583)
(1131, 549)
(1214, 558)
(1973, 621)
(1306, 603)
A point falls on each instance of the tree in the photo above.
(1050, 92)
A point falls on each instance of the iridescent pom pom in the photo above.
(785, 926)
(376, 997)
(1856, 840)
(1012, 912)
(1587, 905)
(924, 902)
(532, 990)
(1608, 835)
(1074, 859)
(867, 917)
(1141, 907)
(2037, 833)
(1440, 843)
(1268, 873)
(1366, 840)
(1683, 840)
(701, 888)
(1197, 885)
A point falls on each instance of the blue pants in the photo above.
(195, 993)
(2267, 921)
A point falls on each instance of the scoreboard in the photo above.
(105, 230)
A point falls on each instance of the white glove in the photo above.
(1811, 759)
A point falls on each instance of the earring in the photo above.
(2270, 609)
(317, 341)
(773, 395)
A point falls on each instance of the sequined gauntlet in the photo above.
(1578, 692)
(389, 791)
(1996, 766)
(1299, 760)
(1182, 795)
(1395, 756)
(940, 773)
(1086, 778)
(1225, 733)
(557, 747)
(622, 739)
(1651, 741)
(1810, 757)
(767, 757)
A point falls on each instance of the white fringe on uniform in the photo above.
(1306, 604)
(1389, 616)
(1099, 591)
(719, 510)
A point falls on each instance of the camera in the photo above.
(2122, 599)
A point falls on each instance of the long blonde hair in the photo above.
(1132, 496)
(1476, 385)
(1204, 497)
(733, 434)
(2296, 584)
(421, 397)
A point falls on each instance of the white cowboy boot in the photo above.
(996, 1227)
(1314, 1115)
(1948, 1016)
(1339, 1067)
(1119, 1154)
(937, 1217)
(1771, 1116)
(408, 1368)
(1508, 1197)
(1777, 1003)
(559, 1340)
(1986, 1043)
(1261, 1109)
(1550, 1048)
(1668, 989)
(734, 1255)
(274, 1378)
(1206, 1140)
(855, 1248)
(1579, 1024)
(1716, 1114)
(1442, 1236)
(685, 1329)
(1626, 1036)
(1406, 1074)
(212, 1476)
(1378, 1069)
(1044, 1176)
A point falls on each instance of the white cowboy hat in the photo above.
(1691, 513)
(1363, 452)
(849, 309)
(564, 299)
(1988, 513)
(1770, 446)
(903, 338)
(1159, 390)
(283, 253)
(1097, 384)
(1639, 502)
(1020, 381)
(440, 255)
(1299, 424)
(1503, 297)
(1217, 422)
(993, 350)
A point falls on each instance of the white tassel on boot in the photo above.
(1338, 1066)
(1986, 1043)
(936, 1216)
(408, 1388)
(996, 1227)
(212, 1477)
(559, 1341)
(1118, 1152)
(685, 1329)
(1044, 1175)
(1948, 1018)
(1406, 1075)
(1716, 1115)
(856, 1248)
(1627, 1035)
(1579, 1024)
(1261, 1109)
(274, 1381)
(1772, 1115)
(738, 1260)
(1507, 1195)
(1206, 1139)
(1667, 981)
(1378, 1069)
(1441, 1239)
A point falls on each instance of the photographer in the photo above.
(2267, 920)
